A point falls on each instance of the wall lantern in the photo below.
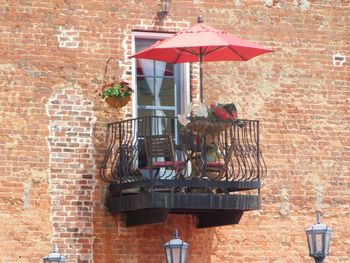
(318, 238)
(165, 4)
(54, 256)
(176, 250)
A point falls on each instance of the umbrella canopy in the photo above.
(202, 43)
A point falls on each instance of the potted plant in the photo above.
(216, 118)
(116, 93)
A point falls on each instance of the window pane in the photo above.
(144, 113)
(145, 126)
(169, 125)
(169, 70)
(167, 94)
(142, 43)
(145, 67)
(144, 92)
(164, 124)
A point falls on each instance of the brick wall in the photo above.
(53, 127)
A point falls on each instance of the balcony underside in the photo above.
(214, 203)
(210, 209)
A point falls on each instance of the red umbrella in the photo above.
(202, 43)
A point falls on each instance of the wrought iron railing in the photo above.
(209, 160)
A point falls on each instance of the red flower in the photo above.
(221, 113)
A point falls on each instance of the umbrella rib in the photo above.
(213, 50)
(190, 51)
(177, 57)
(184, 50)
(234, 51)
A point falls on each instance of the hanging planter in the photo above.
(116, 93)
(117, 102)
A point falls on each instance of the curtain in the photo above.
(154, 68)
(154, 84)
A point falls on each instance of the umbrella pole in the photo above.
(201, 77)
(204, 142)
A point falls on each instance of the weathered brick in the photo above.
(53, 127)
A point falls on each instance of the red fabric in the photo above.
(215, 164)
(167, 163)
(212, 44)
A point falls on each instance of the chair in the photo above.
(220, 163)
(216, 166)
(160, 153)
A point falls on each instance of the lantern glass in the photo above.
(319, 243)
(327, 242)
(310, 243)
(176, 250)
(165, 6)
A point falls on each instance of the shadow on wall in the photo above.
(150, 239)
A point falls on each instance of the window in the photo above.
(161, 89)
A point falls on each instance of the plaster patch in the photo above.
(260, 92)
(303, 4)
(37, 176)
(285, 207)
(254, 214)
(67, 37)
(268, 3)
(34, 176)
(11, 140)
(318, 188)
(124, 66)
(103, 196)
(274, 3)
(6, 68)
(7, 71)
(26, 192)
(70, 143)
(237, 2)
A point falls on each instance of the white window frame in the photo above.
(184, 86)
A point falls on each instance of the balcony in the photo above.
(154, 168)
